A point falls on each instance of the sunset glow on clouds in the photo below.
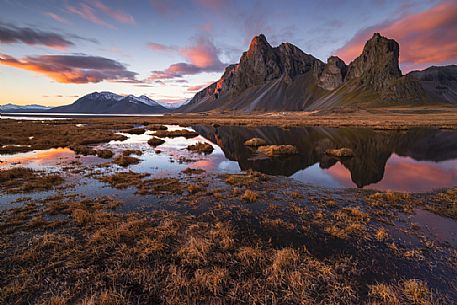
(168, 50)
(428, 37)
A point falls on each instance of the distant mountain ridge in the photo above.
(284, 78)
(110, 103)
(11, 108)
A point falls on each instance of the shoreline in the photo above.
(376, 118)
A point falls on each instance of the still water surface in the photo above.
(417, 160)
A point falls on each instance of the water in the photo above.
(418, 160)
(64, 116)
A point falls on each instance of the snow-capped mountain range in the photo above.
(23, 108)
(110, 103)
(103, 102)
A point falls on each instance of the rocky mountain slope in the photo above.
(111, 103)
(439, 82)
(284, 78)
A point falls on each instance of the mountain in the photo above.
(11, 108)
(111, 103)
(284, 78)
(439, 82)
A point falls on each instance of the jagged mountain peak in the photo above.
(259, 42)
(284, 78)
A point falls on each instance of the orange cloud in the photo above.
(426, 38)
(72, 69)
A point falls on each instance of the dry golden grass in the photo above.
(201, 147)
(384, 293)
(278, 150)
(129, 152)
(247, 179)
(122, 180)
(125, 161)
(154, 141)
(24, 180)
(193, 171)
(160, 185)
(176, 133)
(249, 196)
(416, 291)
(34, 135)
(104, 153)
(135, 131)
(381, 234)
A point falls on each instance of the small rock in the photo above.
(201, 147)
(255, 142)
(154, 141)
(278, 150)
(340, 152)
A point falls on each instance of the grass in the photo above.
(25, 180)
(246, 179)
(105, 153)
(122, 180)
(160, 186)
(154, 141)
(176, 133)
(129, 152)
(249, 196)
(33, 135)
(101, 256)
(125, 161)
(201, 147)
(277, 150)
(135, 131)
(193, 171)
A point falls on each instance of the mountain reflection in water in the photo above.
(407, 160)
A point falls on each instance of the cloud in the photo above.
(195, 88)
(72, 69)
(115, 14)
(13, 34)
(56, 17)
(202, 56)
(86, 12)
(159, 47)
(425, 38)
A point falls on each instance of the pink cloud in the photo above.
(201, 56)
(426, 38)
(56, 17)
(158, 47)
(86, 12)
(195, 88)
(115, 14)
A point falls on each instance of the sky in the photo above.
(54, 51)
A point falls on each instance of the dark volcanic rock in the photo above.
(334, 73)
(440, 83)
(266, 78)
(377, 69)
(284, 78)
